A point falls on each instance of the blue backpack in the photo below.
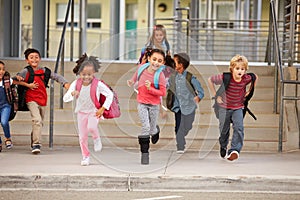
(156, 74)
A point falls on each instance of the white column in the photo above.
(122, 29)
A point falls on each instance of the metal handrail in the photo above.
(279, 67)
(59, 53)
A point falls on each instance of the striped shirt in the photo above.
(234, 96)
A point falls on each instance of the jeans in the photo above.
(227, 116)
(4, 113)
(183, 124)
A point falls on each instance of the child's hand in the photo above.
(197, 99)
(19, 78)
(219, 99)
(100, 112)
(67, 85)
(75, 93)
(33, 85)
(130, 83)
(147, 84)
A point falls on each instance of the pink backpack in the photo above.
(114, 109)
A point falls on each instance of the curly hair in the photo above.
(84, 60)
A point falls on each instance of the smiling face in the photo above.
(87, 74)
(33, 59)
(156, 60)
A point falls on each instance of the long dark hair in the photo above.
(84, 60)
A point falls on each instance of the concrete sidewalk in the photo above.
(120, 169)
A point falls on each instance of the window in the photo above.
(93, 15)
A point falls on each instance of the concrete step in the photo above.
(260, 135)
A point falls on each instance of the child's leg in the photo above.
(144, 137)
(92, 125)
(143, 112)
(5, 112)
(186, 124)
(224, 127)
(37, 115)
(82, 119)
(153, 116)
(238, 131)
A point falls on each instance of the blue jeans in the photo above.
(4, 117)
(226, 116)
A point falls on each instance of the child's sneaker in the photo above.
(233, 156)
(8, 143)
(85, 161)
(36, 149)
(97, 145)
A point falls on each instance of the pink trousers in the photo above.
(87, 123)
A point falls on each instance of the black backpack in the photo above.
(22, 106)
(11, 95)
(224, 86)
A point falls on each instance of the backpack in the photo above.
(224, 86)
(114, 109)
(11, 95)
(156, 74)
(170, 92)
(22, 106)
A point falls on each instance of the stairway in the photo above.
(260, 135)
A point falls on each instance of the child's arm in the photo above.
(161, 91)
(132, 80)
(71, 93)
(254, 84)
(211, 87)
(60, 79)
(198, 88)
(103, 89)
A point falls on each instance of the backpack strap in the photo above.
(189, 77)
(249, 96)
(7, 87)
(93, 90)
(225, 84)
(31, 74)
(156, 74)
(47, 75)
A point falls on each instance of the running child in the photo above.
(88, 115)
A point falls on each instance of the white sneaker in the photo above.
(180, 151)
(233, 156)
(97, 144)
(85, 161)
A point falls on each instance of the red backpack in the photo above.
(114, 109)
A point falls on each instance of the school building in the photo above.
(118, 29)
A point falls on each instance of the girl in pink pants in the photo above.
(87, 114)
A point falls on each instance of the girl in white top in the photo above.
(87, 114)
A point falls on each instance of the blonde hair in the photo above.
(238, 59)
(152, 39)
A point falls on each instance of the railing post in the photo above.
(55, 71)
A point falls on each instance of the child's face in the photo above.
(178, 66)
(2, 71)
(33, 60)
(238, 71)
(87, 75)
(156, 60)
(159, 36)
